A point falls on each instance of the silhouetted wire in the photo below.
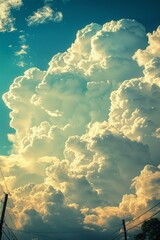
(45, 234)
(5, 235)
(85, 230)
(9, 201)
(116, 231)
(11, 218)
(143, 221)
(10, 231)
(117, 236)
(56, 232)
(16, 221)
(142, 214)
(48, 234)
(12, 214)
(13, 222)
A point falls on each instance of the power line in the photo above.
(117, 236)
(143, 214)
(117, 231)
(9, 201)
(143, 221)
(52, 232)
(5, 235)
(10, 216)
(48, 234)
(12, 221)
(8, 228)
(3, 214)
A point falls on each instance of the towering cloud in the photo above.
(135, 105)
(87, 133)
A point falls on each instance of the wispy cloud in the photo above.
(6, 19)
(44, 15)
(21, 52)
(21, 64)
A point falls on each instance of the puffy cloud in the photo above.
(86, 131)
(135, 112)
(152, 50)
(76, 90)
(43, 15)
(41, 206)
(135, 105)
(6, 19)
(97, 52)
(50, 214)
(146, 195)
(105, 158)
(148, 188)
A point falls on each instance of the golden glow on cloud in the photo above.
(87, 130)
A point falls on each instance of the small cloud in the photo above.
(21, 64)
(6, 19)
(43, 15)
(22, 38)
(24, 46)
(21, 52)
(58, 16)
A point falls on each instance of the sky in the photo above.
(80, 110)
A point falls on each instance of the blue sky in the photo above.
(81, 82)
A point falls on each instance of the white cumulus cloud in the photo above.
(86, 143)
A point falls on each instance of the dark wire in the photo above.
(10, 231)
(143, 221)
(5, 235)
(143, 214)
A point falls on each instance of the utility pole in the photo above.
(3, 214)
(124, 228)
